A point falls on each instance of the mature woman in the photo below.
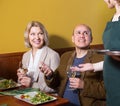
(36, 38)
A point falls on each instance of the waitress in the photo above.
(111, 39)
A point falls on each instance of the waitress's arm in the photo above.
(98, 66)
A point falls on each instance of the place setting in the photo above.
(33, 96)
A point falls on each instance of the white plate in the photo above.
(31, 96)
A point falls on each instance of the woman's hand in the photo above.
(20, 73)
(46, 70)
(76, 83)
(25, 81)
(22, 78)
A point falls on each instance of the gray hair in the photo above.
(27, 31)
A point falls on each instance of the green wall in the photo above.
(58, 16)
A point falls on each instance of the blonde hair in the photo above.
(27, 31)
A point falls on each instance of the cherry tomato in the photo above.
(22, 96)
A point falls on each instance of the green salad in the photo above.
(5, 84)
(36, 97)
(41, 97)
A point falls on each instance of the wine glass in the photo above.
(22, 72)
(21, 69)
(72, 74)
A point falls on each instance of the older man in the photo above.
(88, 87)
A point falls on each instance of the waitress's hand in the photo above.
(83, 67)
(46, 70)
(116, 58)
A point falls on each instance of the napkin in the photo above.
(19, 91)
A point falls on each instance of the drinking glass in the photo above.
(72, 74)
(21, 69)
(23, 72)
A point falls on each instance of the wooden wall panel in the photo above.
(9, 62)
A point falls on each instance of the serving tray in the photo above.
(108, 52)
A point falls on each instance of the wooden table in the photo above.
(11, 101)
